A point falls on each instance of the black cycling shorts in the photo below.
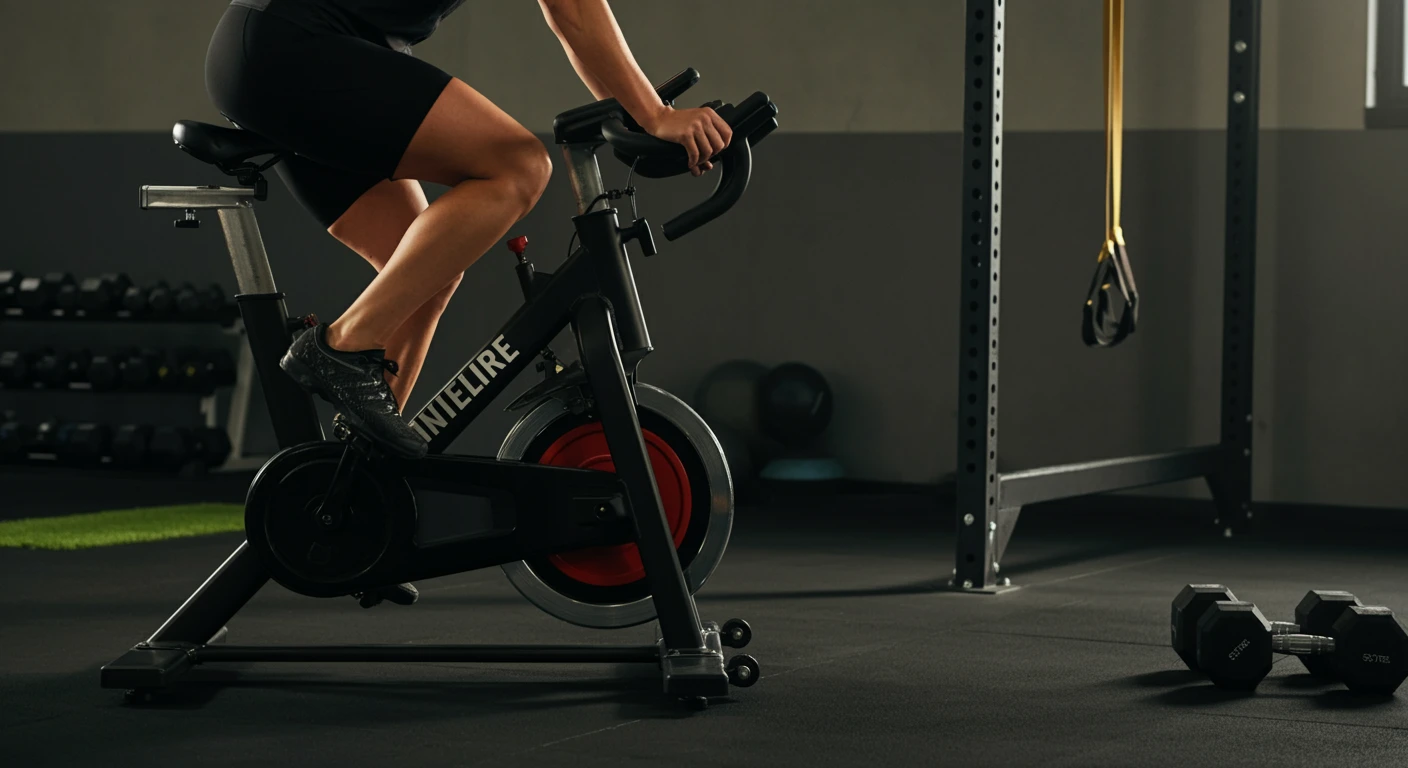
(345, 105)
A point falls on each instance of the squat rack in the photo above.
(989, 501)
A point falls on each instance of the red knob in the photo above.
(518, 245)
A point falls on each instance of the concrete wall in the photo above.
(844, 67)
(842, 255)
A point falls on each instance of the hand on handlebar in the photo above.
(701, 131)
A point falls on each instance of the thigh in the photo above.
(466, 136)
(329, 194)
(375, 222)
(337, 100)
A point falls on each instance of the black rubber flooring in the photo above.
(865, 662)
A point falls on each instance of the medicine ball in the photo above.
(794, 404)
(727, 398)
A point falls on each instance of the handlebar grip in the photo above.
(737, 163)
(756, 137)
(746, 108)
(753, 119)
(676, 86)
(640, 144)
(583, 124)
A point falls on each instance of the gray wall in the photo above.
(835, 65)
(842, 255)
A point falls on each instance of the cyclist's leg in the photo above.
(496, 169)
(373, 227)
(356, 114)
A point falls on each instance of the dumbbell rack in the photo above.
(237, 417)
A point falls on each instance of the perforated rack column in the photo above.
(979, 518)
(988, 502)
(1232, 487)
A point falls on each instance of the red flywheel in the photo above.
(585, 448)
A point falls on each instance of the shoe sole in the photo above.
(303, 376)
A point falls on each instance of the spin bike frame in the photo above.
(593, 292)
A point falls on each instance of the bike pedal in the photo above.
(344, 431)
(400, 594)
(341, 429)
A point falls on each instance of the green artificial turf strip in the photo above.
(122, 526)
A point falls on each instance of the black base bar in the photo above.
(689, 673)
(1018, 489)
(989, 502)
(154, 666)
(490, 654)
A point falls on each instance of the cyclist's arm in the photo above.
(599, 53)
(594, 85)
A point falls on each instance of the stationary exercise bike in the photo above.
(609, 503)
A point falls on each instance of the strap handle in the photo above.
(1110, 315)
(1114, 120)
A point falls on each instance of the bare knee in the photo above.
(528, 174)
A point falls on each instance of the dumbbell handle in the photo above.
(1285, 628)
(1302, 645)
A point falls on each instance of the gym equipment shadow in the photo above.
(1186, 688)
(637, 695)
(1018, 567)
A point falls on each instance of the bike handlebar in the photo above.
(751, 121)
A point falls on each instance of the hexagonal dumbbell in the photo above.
(1368, 649)
(1315, 615)
(1188, 607)
(1371, 649)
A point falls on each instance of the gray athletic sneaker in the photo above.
(354, 382)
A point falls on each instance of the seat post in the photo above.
(235, 206)
(251, 262)
(266, 323)
(584, 173)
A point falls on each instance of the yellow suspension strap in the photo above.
(1112, 304)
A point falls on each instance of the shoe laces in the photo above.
(377, 359)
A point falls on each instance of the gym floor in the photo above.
(865, 661)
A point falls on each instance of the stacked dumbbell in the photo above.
(56, 369)
(112, 295)
(159, 301)
(15, 438)
(188, 369)
(57, 296)
(16, 368)
(1334, 635)
(130, 446)
(36, 296)
(42, 368)
(9, 288)
(102, 296)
